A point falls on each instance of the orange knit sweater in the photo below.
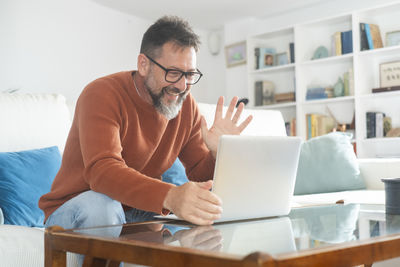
(119, 145)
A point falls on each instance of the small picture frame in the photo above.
(389, 74)
(281, 59)
(235, 54)
(268, 60)
(393, 38)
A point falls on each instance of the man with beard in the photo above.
(129, 128)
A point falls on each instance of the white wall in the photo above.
(212, 84)
(236, 78)
(61, 46)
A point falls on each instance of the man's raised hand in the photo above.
(223, 125)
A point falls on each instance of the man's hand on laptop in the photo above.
(223, 125)
(194, 203)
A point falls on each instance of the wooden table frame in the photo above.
(100, 251)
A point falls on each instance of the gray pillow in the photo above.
(328, 164)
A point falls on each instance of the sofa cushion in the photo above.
(30, 121)
(328, 164)
(24, 177)
(176, 174)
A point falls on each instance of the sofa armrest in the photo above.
(374, 169)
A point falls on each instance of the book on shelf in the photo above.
(264, 92)
(285, 97)
(351, 81)
(337, 44)
(319, 93)
(379, 124)
(347, 42)
(386, 89)
(376, 36)
(291, 127)
(291, 52)
(370, 36)
(348, 82)
(376, 124)
(257, 58)
(363, 38)
(370, 119)
(316, 93)
(258, 93)
(387, 125)
(342, 43)
(318, 124)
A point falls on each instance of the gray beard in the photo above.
(169, 111)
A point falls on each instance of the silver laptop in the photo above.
(255, 176)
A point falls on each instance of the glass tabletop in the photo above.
(302, 229)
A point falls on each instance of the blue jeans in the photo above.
(90, 209)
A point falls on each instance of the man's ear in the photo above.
(143, 65)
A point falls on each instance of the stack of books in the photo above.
(264, 92)
(370, 37)
(342, 43)
(378, 125)
(318, 125)
(285, 97)
(319, 93)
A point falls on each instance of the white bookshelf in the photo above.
(305, 73)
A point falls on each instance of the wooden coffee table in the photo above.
(338, 235)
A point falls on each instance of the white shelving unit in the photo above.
(305, 72)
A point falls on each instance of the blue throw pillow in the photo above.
(176, 174)
(328, 164)
(1, 217)
(24, 177)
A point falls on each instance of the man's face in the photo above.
(172, 57)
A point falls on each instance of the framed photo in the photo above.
(281, 59)
(389, 74)
(266, 58)
(393, 38)
(235, 54)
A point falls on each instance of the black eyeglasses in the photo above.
(174, 75)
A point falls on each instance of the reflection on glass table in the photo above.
(302, 229)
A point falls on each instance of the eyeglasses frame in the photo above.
(183, 73)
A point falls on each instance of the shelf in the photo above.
(382, 139)
(364, 67)
(328, 100)
(327, 59)
(274, 68)
(380, 51)
(272, 106)
(380, 95)
(277, 33)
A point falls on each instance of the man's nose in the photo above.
(181, 84)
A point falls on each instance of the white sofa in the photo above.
(40, 120)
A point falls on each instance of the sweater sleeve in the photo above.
(100, 116)
(195, 155)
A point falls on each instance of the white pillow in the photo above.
(30, 121)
